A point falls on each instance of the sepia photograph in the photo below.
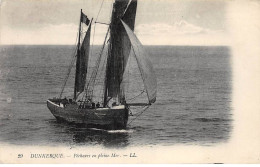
(129, 81)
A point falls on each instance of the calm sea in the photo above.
(192, 107)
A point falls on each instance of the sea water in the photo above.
(192, 107)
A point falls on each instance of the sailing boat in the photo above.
(120, 40)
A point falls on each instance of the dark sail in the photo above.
(120, 46)
(82, 64)
(129, 19)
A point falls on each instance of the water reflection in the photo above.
(81, 135)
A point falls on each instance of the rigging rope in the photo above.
(137, 95)
(90, 85)
(73, 57)
(139, 114)
(99, 10)
(74, 53)
(95, 27)
(99, 79)
(89, 88)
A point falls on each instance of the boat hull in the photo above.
(106, 118)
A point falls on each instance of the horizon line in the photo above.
(101, 45)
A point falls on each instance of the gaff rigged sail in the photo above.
(120, 46)
(82, 64)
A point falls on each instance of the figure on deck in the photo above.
(98, 105)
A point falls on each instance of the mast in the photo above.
(106, 75)
(78, 53)
(82, 57)
(119, 49)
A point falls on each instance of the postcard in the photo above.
(129, 81)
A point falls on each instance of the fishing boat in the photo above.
(112, 111)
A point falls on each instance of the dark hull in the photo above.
(106, 118)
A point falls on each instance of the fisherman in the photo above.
(93, 105)
(88, 103)
(113, 104)
(65, 101)
(89, 100)
(80, 106)
(98, 105)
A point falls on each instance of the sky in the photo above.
(158, 22)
